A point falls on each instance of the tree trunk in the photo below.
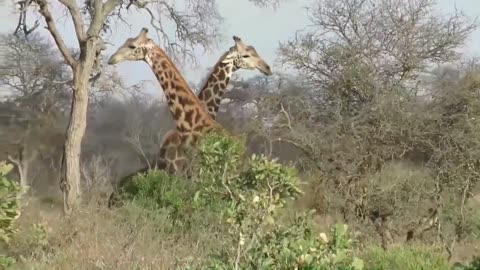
(70, 182)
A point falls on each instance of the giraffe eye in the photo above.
(131, 47)
(245, 56)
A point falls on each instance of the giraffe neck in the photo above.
(191, 119)
(216, 85)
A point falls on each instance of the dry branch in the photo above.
(52, 28)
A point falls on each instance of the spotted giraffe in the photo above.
(191, 118)
(239, 56)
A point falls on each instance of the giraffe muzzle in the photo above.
(113, 60)
(265, 69)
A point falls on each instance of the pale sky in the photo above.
(263, 28)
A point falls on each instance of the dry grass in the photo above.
(98, 238)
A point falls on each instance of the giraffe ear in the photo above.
(239, 45)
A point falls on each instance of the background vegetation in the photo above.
(368, 159)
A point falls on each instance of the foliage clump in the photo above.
(10, 194)
(249, 196)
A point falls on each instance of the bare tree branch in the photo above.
(18, 164)
(76, 18)
(22, 19)
(52, 28)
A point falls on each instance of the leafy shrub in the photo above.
(6, 261)
(248, 196)
(157, 191)
(253, 192)
(218, 155)
(296, 246)
(10, 193)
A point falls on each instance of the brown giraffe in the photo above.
(239, 56)
(191, 118)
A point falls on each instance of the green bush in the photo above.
(169, 195)
(247, 195)
(157, 189)
(6, 262)
(253, 192)
(10, 193)
(218, 156)
(296, 246)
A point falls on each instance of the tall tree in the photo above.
(355, 50)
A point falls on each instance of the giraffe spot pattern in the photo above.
(189, 116)
(221, 75)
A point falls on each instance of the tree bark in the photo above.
(70, 181)
(91, 46)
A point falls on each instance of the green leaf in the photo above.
(6, 183)
(5, 168)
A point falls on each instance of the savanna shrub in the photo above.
(218, 155)
(10, 194)
(295, 245)
(160, 191)
(248, 196)
(6, 261)
(254, 191)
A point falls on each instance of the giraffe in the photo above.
(239, 56)
(191, 118)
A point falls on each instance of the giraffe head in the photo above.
(244, 56)
(133, 49)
